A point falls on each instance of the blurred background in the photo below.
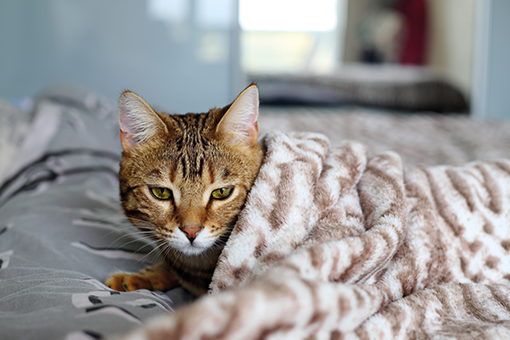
(190, 55)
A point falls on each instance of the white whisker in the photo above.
(156, 249)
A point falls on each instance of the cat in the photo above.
(183, 181)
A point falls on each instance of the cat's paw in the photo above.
(157, 277)
(127, 282)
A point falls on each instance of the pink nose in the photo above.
(191, 231)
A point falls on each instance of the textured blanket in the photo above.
(334, 244)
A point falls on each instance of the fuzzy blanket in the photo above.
(334, 244)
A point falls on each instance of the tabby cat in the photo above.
(183, 181)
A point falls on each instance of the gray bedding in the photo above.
(62, 231)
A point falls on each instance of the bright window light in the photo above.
(171, 11)
(287, 15)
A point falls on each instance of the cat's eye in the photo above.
(161, 193)
(221, 194)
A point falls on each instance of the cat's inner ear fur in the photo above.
(239, 124)
(138, 121)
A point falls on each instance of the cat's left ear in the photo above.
(138, 121)
(239, 124)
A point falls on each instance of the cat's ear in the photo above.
(239, 124)
(138, 121)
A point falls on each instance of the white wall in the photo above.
(452, 25)
(183, 64)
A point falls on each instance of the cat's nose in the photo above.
(191, 231)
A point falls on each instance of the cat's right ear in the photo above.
(138, 121)
(239, 123)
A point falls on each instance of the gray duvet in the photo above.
(62, 231)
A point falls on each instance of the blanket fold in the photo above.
(334, 244)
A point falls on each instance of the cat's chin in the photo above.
(192, 250)
(200, 246)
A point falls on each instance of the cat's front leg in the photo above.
(157, 278)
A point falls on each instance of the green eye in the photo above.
(161, 193)
(220, 194)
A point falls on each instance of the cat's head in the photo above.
(184, 178)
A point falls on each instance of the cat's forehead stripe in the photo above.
(173, 171)
(184, 167)
(192, 165)
(226, 173)
(212, 175)
(200, 166)
(156, 173)
(190, 158)
(191, 122)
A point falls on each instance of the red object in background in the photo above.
(414, 40)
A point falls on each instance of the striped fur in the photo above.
(191, 155)
(333, 244)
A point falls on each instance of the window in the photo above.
(288, 35)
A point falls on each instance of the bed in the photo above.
(384, 86)
(62, 231)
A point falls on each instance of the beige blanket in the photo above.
(333, 244)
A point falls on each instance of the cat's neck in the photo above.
(204, 261)
(195, 271)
